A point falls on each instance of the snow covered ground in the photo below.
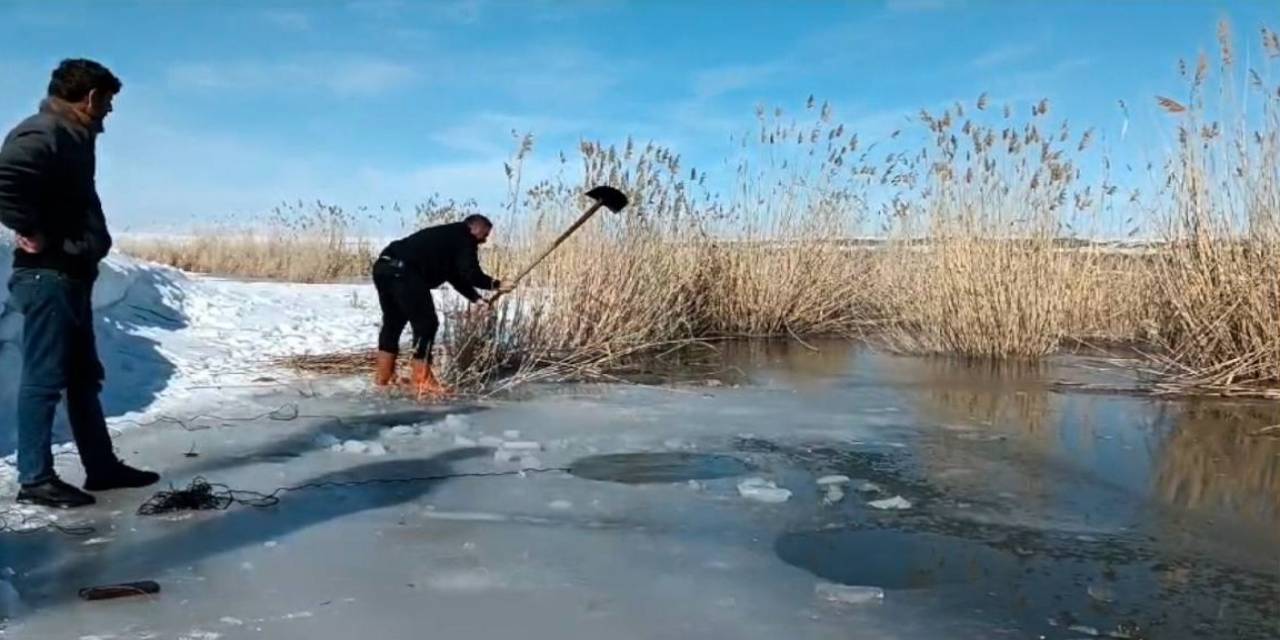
(172, 342)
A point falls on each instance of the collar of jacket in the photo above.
(64, 111)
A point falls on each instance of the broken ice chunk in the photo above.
(847, 594)
(561, 505)
(833, 480)
(454, 422)
(1101, 593)
(896, 502)
(763, 490)
(355, 446)
(376, 449)
(403, 431)
(511, 434)
(326, 440)
(834, 494)
(463, 441)
(490, 441)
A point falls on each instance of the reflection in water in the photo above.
(1195, 455)
(1008, 396)
(818, 364)
(1210, 461)
(1189, 454)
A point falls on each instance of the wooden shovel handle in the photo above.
(582, 219)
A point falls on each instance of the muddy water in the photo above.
(1036, 511)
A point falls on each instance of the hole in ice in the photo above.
(892, 559)
(660, 467)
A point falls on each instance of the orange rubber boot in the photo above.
(425, 384)
(384, 369)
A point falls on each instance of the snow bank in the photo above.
(170, 341)
(129, 298)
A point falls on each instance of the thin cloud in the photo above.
(489, 133)
(355, 76)
(1003, 55)
(287, 19)
(712, 83)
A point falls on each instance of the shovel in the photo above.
(604, 196)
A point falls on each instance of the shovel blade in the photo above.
(611, 198)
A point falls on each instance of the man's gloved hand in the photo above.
(506, 287)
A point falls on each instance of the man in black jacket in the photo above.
(49, 199)
(404, 275)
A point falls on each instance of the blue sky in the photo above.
(232, 107)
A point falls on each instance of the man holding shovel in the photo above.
(404, 275)
(409, 268)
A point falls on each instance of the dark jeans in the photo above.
(58, 355)
(405, 299)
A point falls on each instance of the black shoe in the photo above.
(119, 476)
(54, 493)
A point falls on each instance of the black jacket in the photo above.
(47, 186)
(444, 253)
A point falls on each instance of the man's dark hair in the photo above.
(75, 78)
(476, 219)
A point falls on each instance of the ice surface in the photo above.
(847, 594)
(455, 423)
(521, 446)
(833, 480)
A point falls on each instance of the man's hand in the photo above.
(32, 244)
(506, 287)
(481, 306)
